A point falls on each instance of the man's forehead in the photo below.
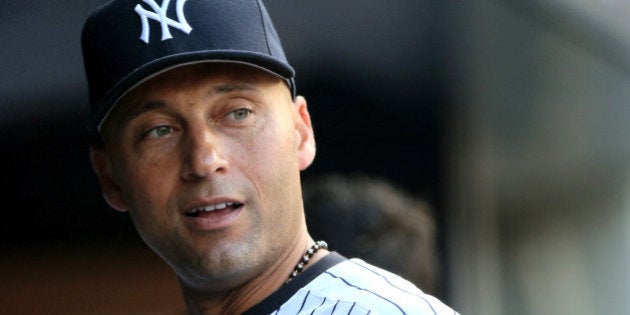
(222, 78)
(139, 102)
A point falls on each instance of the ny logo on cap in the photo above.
(159, 14)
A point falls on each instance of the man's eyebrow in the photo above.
(137, 109)
(231, 87)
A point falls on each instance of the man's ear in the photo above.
(304, 133)
(111, 191)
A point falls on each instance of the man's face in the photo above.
(206, 159)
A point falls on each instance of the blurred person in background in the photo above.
(371, 218)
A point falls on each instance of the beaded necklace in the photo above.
(305, 259)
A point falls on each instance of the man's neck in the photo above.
(241, 298)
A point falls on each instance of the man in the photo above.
(201, 137)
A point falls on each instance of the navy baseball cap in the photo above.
(126, 42)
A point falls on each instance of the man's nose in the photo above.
(202, 155)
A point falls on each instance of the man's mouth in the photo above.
(222, 206)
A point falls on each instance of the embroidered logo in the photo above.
(159, 14)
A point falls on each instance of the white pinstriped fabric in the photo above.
(354, 287)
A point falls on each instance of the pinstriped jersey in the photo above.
(336, 285)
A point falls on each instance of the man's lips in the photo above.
(215, 208)
(213, 215)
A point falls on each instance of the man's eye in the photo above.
(159, 131)
(240, 114)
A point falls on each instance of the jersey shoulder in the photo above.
(356, 287)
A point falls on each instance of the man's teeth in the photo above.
(211, 208)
